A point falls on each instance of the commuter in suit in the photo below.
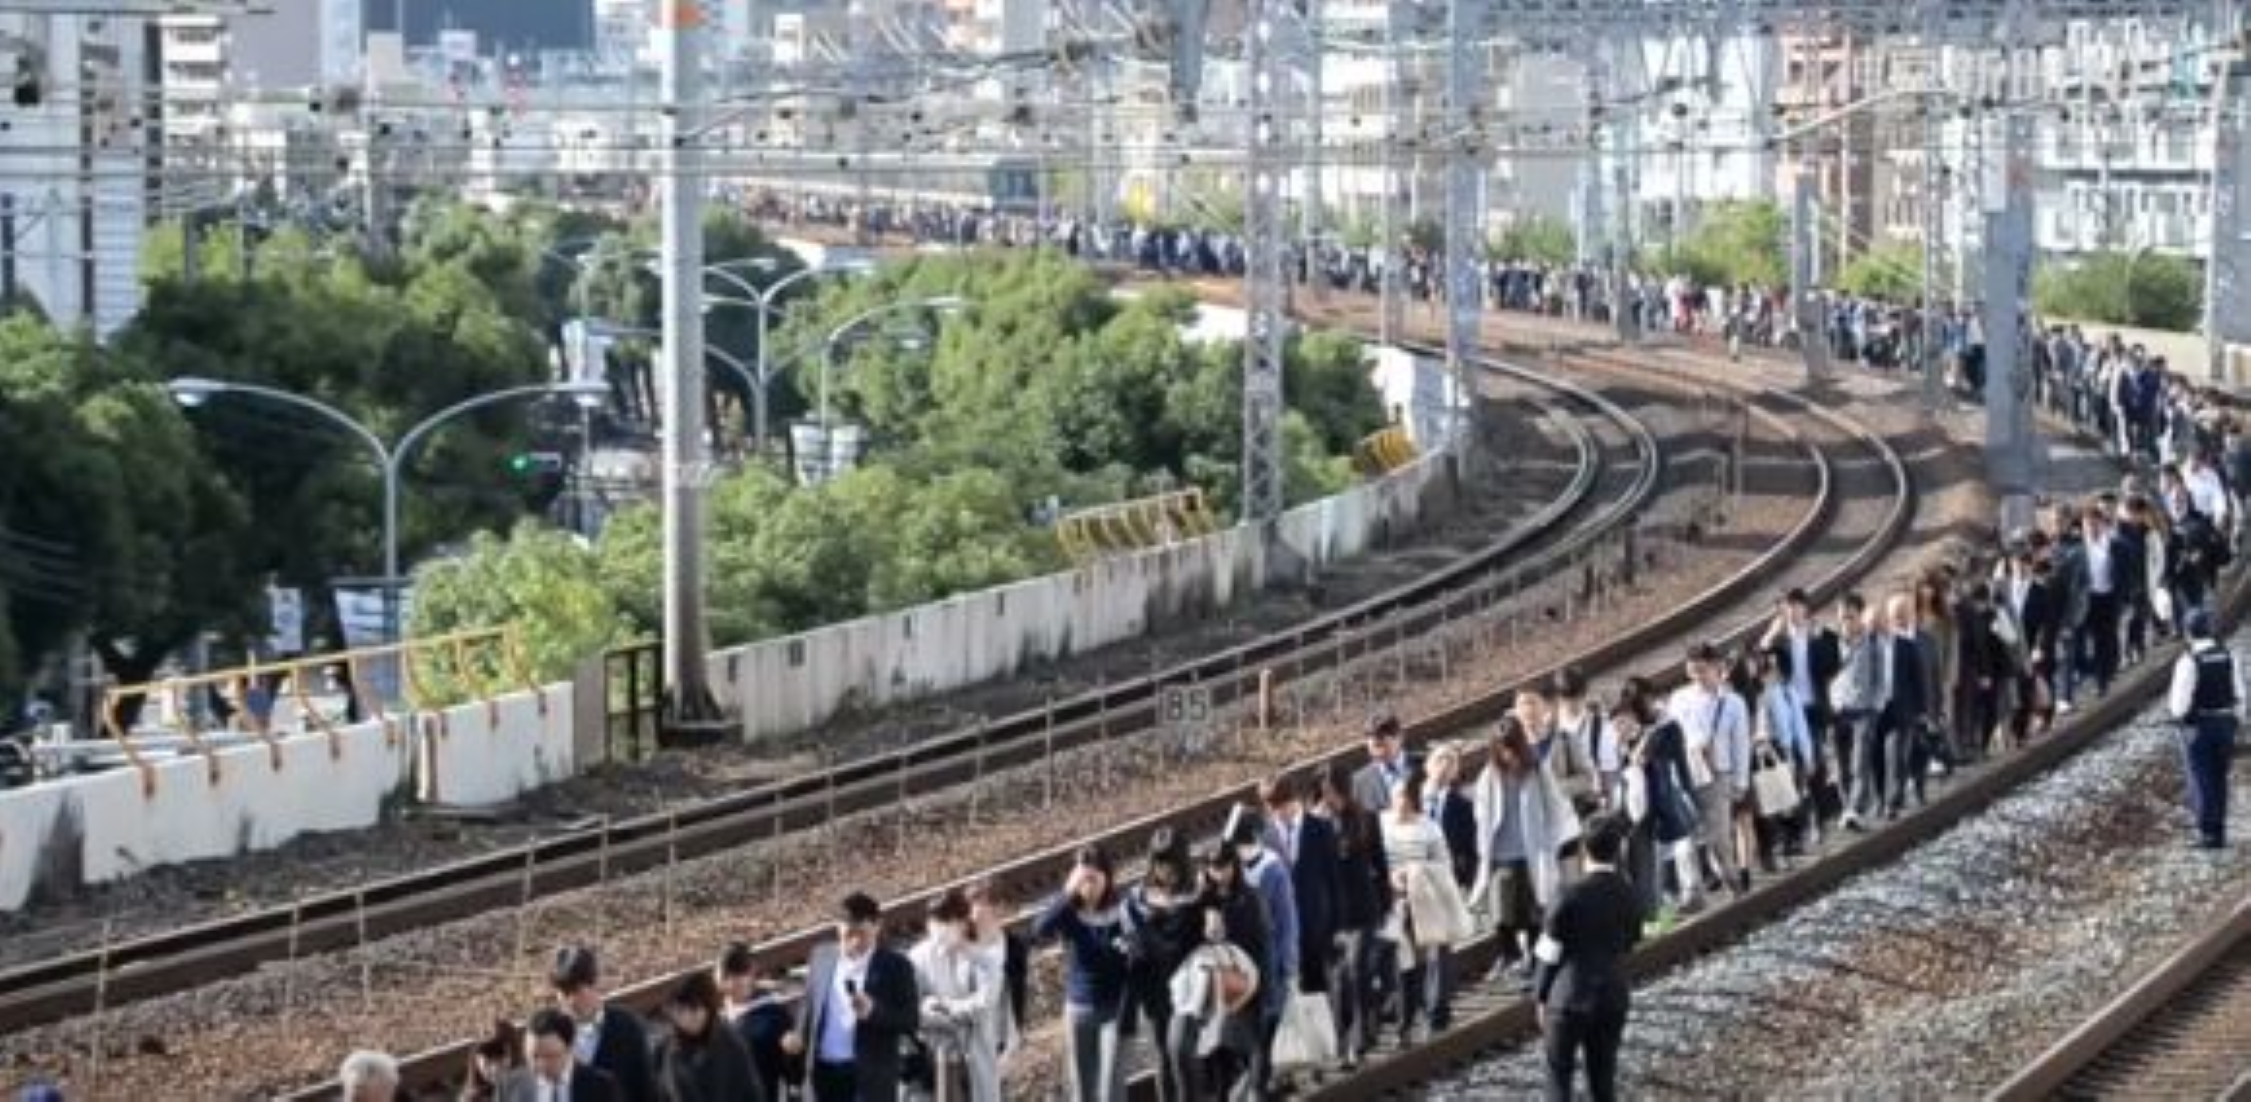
(1810, 655)
(1364, 899)
(555, 1074)
(1308, 845)
(860, 1005)
(702, 1059)
(1905, 668)
(758, 1014)
(1388, 763)
(610, 1038)
(1446, 805)
(2027, 602)
(1582, 993)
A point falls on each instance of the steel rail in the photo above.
(180, 959)
(2115, 1028)
(1032, 876)
(1500, 1021)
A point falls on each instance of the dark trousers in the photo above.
(1352, 991)
(834, 1082)
(2100, 631)
(2207, 750)
(1569, 1033)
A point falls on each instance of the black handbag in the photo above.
(917, 1068)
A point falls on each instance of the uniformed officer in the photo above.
(2207, 697)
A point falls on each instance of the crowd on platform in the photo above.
(1320, 924)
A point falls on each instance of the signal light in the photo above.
(531, 463)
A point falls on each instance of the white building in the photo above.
(75, 167)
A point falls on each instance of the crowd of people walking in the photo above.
(1320, 925)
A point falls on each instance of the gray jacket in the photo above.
(1858, 688)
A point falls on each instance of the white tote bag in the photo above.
(1307, 1037)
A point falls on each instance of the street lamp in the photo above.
(192, 392)
(763, 300)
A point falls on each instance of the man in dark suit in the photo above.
(609, 1038)
(1810, 655)
(1308, 844)
(860, 1005)
(1908, 703)
(1581, 988)
(554, 1074)
(1388, 764)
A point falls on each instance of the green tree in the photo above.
(537, 580)
(95, 458)
(1538, 239)
(2144, 289)
(1891, 271)
(1734, 242)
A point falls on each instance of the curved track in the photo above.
(2107, 1057)
(1616, 472)
(1758, 583)
(2183, 1031)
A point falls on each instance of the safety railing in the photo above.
(1138, 525)
(481, 664)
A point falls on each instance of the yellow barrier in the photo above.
(1137, 525)
(475, 659)
(1384, 451)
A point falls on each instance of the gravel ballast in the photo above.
(1941, 973)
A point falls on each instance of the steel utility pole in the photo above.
(1316, 175)
(686, 466)
(1264, 281)
(1393, 254)
(1465, 238)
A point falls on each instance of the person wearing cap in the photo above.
(2207, 697)
(609, 1038)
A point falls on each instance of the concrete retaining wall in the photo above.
(92, 828)
(782, 686)
(59, 836)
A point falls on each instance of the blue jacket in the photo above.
(1270, 877)
(1094, 960)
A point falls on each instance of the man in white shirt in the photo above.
(2207, 696)
(553, 1073)
(1716, 726)
(2205, 489)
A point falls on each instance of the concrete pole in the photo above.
(1934, 388)
(2221, 268)
(688, 699)
(2012, 446)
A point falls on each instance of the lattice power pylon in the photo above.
(1270, 46)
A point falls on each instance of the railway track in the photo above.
(2191, 1017)
(429, 1073)
(2182, 1031)
(1616, 471)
